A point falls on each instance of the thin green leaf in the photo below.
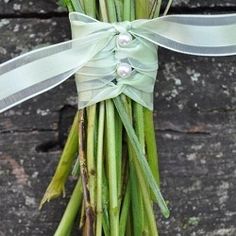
(77, 6)
(141, 157)
(157, 8)
(151, 146)
(72, 5)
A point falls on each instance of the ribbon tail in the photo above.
(203, 35)
(18, 97)
(41, 70)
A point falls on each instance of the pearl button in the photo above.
(124, 39)
(124, 70)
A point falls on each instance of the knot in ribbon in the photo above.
(113, 58)
(99, 78)
(122, 27)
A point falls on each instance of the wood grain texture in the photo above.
(46, 7)
(195, 115)
(196, 120)
(205, 3)
(17, 7)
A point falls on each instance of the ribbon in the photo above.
(98, 57)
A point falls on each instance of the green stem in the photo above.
(71, 211)
(82, 216)
(105, 204)
(139, 179)
(125, 210)
(90, 7)
(167, 7)
(138, 213)
(69, 5)
(119, 9)
(88, 226)
(151, 147)
(118, 138)
(57, 184)
(147, 201)
(76, 169)
(140, 131)
(103, 9)
(140, 158)
(136, 201)
(150, 217)
(100, 168)
(112, 170)
(91, 165)
(129, 226)
(132, 14)
(142, 9)
(127, 10)
(111, 10)
(139, 123)
(81, 2)
(74, 5)
(136, 196)
(158, 8)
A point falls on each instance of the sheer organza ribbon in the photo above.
(95, 54)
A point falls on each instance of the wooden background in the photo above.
(195, 110)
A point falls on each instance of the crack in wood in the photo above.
(51, 145)
(22, 131)
(186, 132)
(45, 16)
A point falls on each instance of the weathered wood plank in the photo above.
(202, 88)
(196, 119)
(24, 177)
(205, 3)
(19, 7)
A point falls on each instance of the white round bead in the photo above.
(124, 39)
(124, 70)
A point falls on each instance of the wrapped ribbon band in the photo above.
(105, 66)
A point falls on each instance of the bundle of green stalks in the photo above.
(111, 150)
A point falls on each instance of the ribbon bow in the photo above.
(113, 58)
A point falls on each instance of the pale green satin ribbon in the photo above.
(93, 55)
